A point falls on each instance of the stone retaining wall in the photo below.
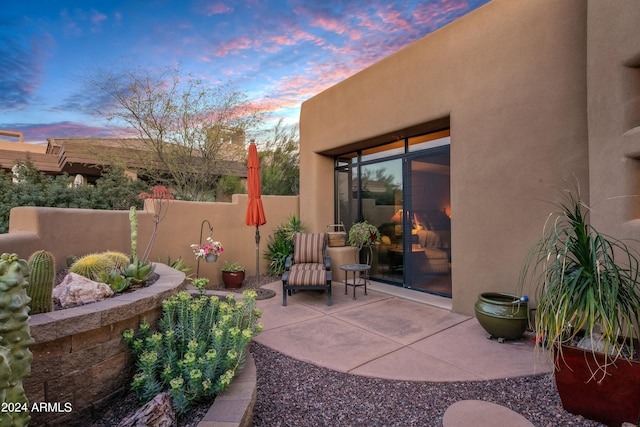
(79, 358)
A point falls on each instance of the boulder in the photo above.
(77, 290)
(157, 413)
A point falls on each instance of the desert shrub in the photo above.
(112, 191)
(199, 346)
(280, 245)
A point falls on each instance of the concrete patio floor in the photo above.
(391, 333)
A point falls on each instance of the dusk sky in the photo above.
(278, 52)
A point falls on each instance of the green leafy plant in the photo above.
(235, 266)
(363, 234)
(280, 245)
(585, 283)
(200, 283)
(178, 264)
(199, 346)
(116, 281)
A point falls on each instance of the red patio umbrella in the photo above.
(255, 212)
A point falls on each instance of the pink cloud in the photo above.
(217, 9)
(234, 46)
(97, 17)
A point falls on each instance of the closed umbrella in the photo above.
(255, 211)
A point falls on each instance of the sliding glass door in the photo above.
(427, 247)
(402, 188)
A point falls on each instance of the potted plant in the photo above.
(232, 275)
(209, 251)
(363, 235)
(588, 314)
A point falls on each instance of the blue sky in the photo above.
(279, 53)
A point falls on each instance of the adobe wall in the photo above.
(79, 232)
(614, 117)
(510, 79)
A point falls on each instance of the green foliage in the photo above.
(112, 191)
(199, 346)
(280, 245)
(15, 340)
(116, 281)
(200, 283)
(138, 272)
(580, 285)
(363, 234)
(280, 162)
(178, 264)
(41, 277)
(232, 267)
(228, 185)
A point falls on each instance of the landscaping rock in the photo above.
(77, 290)
(157, 413)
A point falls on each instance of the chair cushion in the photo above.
(307, 266)
(307, 278)
(308, 248)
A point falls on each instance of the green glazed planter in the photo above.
(503, 316)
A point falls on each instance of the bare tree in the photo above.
(190, 132)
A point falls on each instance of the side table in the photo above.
(363, 269)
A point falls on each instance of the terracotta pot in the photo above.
(503, 316)
(611, 399)
(232, 279)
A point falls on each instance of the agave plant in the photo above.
(586, 283)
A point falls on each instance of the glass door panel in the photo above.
(381, 197)
(427, 241)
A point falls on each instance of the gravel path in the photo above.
(295, 393)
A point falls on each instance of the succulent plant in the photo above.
(90, 266)
(117, 260)
(41, 277)
(15, 339)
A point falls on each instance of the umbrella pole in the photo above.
(257, 256)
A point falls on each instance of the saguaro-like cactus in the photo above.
(41, 277)
(14, 339)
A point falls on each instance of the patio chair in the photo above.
(310, 267)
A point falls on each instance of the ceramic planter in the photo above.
(232, 279)
(611, 399)
(211, 257)
(503, 316)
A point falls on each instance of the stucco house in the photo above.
(471, 130)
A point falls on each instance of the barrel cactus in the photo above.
(90, 266)
(117, 260)
(41, 279)
(15, 338)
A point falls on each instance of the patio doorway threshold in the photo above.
(409, 294)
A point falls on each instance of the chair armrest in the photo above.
(327, 263)
(287, 263)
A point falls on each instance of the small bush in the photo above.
(199, 346)
(280, 245)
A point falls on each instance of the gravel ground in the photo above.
(295, 393)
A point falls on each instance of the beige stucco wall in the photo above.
(614, 116)
(511, 79)
(81, 231)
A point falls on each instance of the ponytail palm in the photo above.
(585, 283)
